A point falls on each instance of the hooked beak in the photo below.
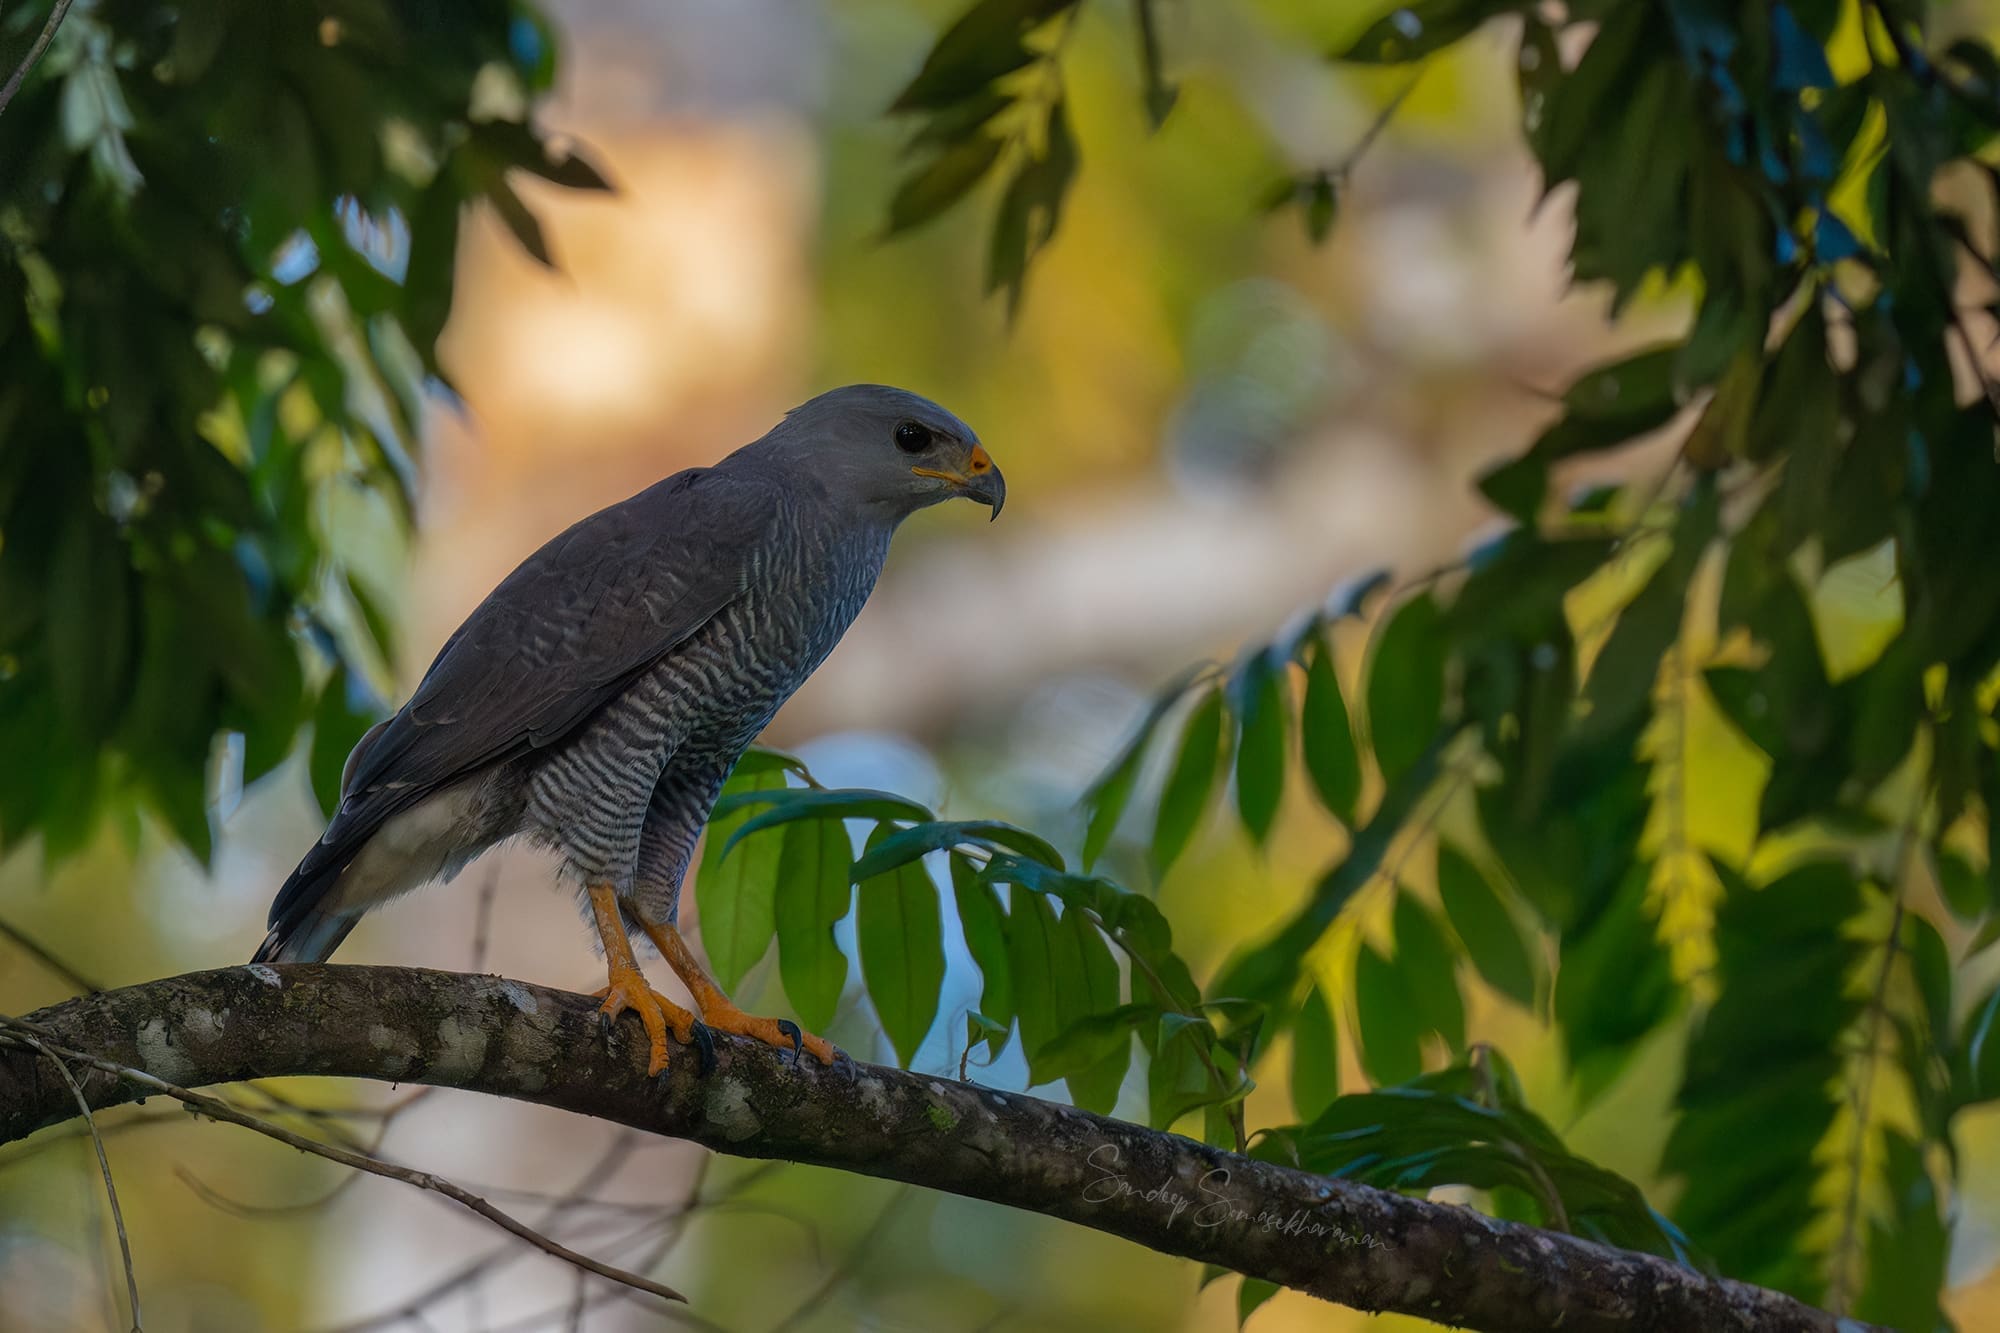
(979, 481)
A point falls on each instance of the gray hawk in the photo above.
(598, 697)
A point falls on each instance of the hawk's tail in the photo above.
(304, 928)
(311, 938)
(305, 941)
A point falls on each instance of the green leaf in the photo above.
(1907, 1249)
(1468, 1125)
(1327, 736)
(1112, 791)
(1086, 986)
(1091, 1040)
(942, 181)
(1406, 685)
(1031, 208)
(979, 1028)
(527, 229)
(1178, 1079)
(1606, 407)
(897, 926)
(1184, 800)
(1264, 975)
(1386, 1013)
(986, 42)
(1031, 923)
(921, 839)
(1257, 697)
(984, 924)
(1613, 986)
(1492, 938)
(1979, 1052)
(1621, 679)
(792, 803)
(948, 124)
(1252, 1294)
(89, 624)
(1962, 887)
(346, 712)
(814, 892)
(1135, 921)
(1930, 968)
(1430, 970)
(762, 759)
(1315, 1057)
(738, 894)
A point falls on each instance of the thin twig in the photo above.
(1841, 1291)
(223, 1203)
(482, 918)
(1343, 169)
(42, 41)
(103, 1165)
(42, 954)
(217, 1109)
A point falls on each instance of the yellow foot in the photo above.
(628, 990)
(722, 1016)
(718, 1012)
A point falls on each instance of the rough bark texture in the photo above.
(1345, 1242)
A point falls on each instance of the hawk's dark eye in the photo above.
(912, 438)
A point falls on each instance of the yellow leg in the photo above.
(717, 1010)
(627, 988)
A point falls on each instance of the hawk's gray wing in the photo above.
(561, 636)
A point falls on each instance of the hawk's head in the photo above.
(880, 446)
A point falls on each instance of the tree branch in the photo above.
(1344, 1242)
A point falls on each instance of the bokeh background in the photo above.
(1206, 422)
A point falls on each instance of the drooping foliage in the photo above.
(1708, 756)
(1705, 759)
(226, 248)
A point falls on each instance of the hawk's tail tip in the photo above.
(311, 938)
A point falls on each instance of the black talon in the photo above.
(604, 1022)
(704, 1044)
(791, 1029)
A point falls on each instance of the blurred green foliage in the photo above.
(1645, 763)
(226, 251)
(1578, 699)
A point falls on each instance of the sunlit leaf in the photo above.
(984, 924)
(1327, 735)
(1429, 968)
(1492, 939)
(942, 181)
(1112, 791)
(1263, 976)
(1257, 696)
(1086, 985)
(1386, 1012)
(985, 42)
(1315, 1057)
(737, 894)
(793, 803)
(1406, 685)
(1184, 800)
(918, 840)
(897, 927)
(814, 892)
